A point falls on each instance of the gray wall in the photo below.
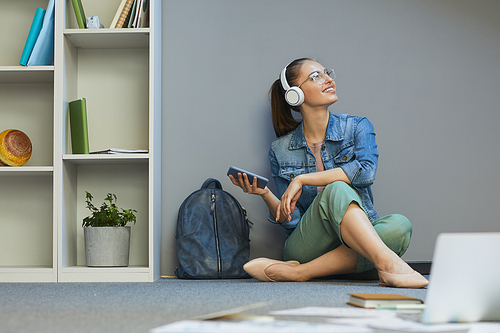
(426, 73)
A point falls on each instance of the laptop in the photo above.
(464, 284)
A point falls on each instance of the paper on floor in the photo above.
(278, 326)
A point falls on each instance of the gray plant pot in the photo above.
(107, 246)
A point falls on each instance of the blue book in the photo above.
(36, 26)
(43, 51)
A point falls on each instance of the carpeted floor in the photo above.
(139, 307)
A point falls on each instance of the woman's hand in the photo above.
(248, 187)
(286, 206)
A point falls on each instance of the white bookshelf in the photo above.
(118, 72)
(28, 225)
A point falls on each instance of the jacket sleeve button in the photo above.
(292, 176)
(344, 157)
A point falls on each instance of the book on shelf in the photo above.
(124, 14)
(121, 151)
(141, 15)
(79, 13)
(43, 50)
(137, 14)
(374, 301)
(118, 13)
(33, 34)
(132, 14)
(78, 126)
(144, 23)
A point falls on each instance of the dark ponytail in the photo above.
(283, 120)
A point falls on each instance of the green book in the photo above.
(79, 13)
(79, 128)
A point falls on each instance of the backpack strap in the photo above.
(212, 182)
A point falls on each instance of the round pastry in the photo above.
(15, 148)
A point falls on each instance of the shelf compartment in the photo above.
(27, 223)
(130, 184)
(31, 74)
(29, 107)
(16, 18)
(109, 38)
(115, 84)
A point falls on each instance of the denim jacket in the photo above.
(349, 144)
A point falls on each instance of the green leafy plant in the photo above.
(108, 215)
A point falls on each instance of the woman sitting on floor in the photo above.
(323, 167)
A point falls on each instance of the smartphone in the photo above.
(261, 181)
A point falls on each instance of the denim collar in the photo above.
(333, 133)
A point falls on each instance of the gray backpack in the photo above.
(212, 237)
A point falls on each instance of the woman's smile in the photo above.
(329, 89)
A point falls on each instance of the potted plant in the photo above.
(106, 234)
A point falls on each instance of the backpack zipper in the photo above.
(216, 233)
(246, 216)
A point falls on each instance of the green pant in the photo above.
(319, 229)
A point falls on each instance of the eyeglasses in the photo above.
(320, 77)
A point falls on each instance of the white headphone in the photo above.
(294, 96)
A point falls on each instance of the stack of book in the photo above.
(39, 47)
(132, 14)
